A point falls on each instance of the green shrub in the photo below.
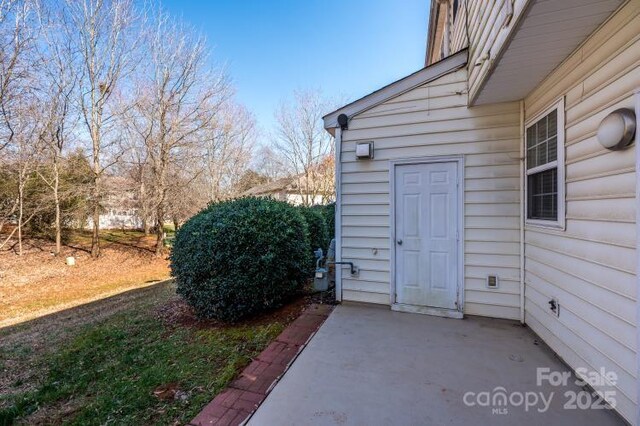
(238, 258)
(330, 218)
(318, 235)
(328, 212)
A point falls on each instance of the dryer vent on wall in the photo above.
(492, 281)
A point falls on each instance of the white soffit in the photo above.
(397, 88)
(548, 33)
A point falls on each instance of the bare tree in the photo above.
(302, 143)
(58, 79)
(184, 195)
(24, 161)
(72, 73)
(137, 168)
(8, 195)
(17, 33)
(178, 100)
(106, 37)
(323, 178)
(18, 119)
(136, 164)
(229, 150)
(249, 179)
(268, 163)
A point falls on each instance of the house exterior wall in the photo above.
(435, 51)
(489, 24)
(459, 28)
(434, 120)
(298, 200)
(293, 198)
(119, 219)
(590, 267)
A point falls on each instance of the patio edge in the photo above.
(237, 403)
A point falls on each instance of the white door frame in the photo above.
(459, 160)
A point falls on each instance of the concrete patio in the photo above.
(371, 366)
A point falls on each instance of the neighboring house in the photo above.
(119, 206)
(284, 189)
(489, 191)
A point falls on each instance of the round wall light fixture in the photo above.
(616, 130)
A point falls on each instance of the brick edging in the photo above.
(243, 396)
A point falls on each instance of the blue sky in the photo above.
(346, 48)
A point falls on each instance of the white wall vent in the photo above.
(492, 281)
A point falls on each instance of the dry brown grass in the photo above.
(39, 283)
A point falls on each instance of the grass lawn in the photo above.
(135, 358)
(39, 283)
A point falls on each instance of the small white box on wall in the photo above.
(364, 150)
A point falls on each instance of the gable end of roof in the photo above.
(397, 88)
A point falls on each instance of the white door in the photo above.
(426, 233)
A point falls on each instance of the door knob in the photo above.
(399, 242)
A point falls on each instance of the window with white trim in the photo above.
(545, 168)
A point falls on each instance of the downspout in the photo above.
(522, 212)
(637, 148)
(338, 213)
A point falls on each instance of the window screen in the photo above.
(542, 168)
(542, 141)
(543, 195)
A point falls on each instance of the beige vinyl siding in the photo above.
(459, 30)
(486, 33)
(591, 266)
(434, 120)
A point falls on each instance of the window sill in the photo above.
(546, 224)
